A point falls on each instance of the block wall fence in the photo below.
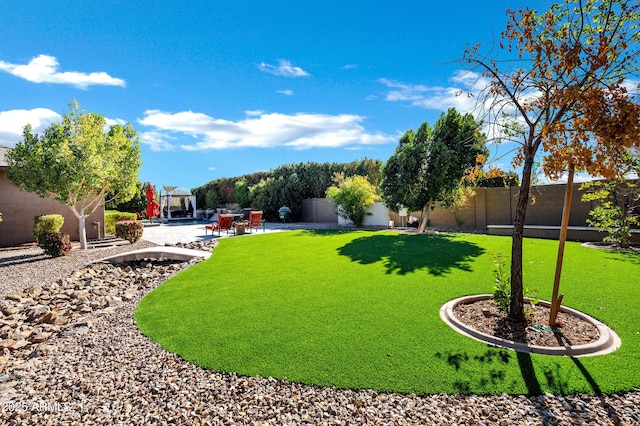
(489, 206)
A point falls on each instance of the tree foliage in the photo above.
(429, 165)
(286, 185)
(137, 203)
(353, 196)
(617, 210)
(242, 193)
(497, 178)
(562, 80)
(77, 162)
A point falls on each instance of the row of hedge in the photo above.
(286, 185)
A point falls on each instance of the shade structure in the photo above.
(153, 209)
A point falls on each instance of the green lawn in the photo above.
(361, 310)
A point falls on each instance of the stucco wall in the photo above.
(19, 208)
(377, 216)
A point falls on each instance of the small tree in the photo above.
(76, 162)
(429, 165)
(618, 208)
(561, 82)
(460, 200)
(353, 196)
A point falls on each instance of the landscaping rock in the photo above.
(93, 366)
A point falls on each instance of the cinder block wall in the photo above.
(320, 210)
(497, 206)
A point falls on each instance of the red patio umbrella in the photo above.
(153, 209)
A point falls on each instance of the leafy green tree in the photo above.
(429, 165)
(137, 203)
(77, 162)
(353, 196)
(562, 81)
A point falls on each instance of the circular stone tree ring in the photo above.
(607, 342)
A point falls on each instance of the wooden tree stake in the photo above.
(555, 300)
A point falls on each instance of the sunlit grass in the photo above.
(361, 310)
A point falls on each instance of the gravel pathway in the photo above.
(91, 365)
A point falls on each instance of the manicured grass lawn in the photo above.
(361, 310)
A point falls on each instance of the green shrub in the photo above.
(617, 211)
(46, 229)
(113, 216)
(54, 244)
(353, 196)
(502, 287)
(129, 230)
(47, 223)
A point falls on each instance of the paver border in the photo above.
(607, 343)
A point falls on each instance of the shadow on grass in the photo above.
(626, 256)
(488, 369)
(403, 254)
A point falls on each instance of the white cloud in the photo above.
(463, 95)
(428, 97)
(287, 92)
(157, 141)
(264, 130)
(114, 121)
(12, 123)
(349, 67)
(283, 69)
(44, 69)
(212, 169)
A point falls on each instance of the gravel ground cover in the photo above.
(89, 364)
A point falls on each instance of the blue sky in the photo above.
(225, 88)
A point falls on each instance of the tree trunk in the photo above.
(426, 210)
(82, 231)
(516, 308)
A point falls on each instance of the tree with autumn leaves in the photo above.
(563, 82)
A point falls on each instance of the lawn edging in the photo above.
(608, 342)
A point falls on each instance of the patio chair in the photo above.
(224, 223)
(255, 220)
